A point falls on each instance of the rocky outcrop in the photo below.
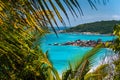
(88, 43)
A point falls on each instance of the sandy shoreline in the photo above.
(86, 33)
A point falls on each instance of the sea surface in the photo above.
(60, 56)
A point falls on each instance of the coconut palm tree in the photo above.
(22, 22)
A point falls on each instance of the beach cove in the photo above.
(60, 56)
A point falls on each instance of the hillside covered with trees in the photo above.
(102, 27)
(22, 22)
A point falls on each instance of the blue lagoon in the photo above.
(61, 55)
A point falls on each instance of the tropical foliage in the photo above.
(99, 74)
(117, 69)
(102, 27)
(110, 71)
(116, 48)
(80, 67)
(22, 22)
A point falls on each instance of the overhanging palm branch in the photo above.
(20, 21)
(80, 67)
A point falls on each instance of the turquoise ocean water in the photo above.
(61, 55)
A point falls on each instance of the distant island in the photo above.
(100, 27)
(88, 43)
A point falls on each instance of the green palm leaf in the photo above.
(81, 66)
(20, 21)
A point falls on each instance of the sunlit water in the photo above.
(60, 56)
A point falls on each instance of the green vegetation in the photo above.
(116, 48)
(106, 71)
(80, 67)
(98, 74)
(22, 22)
(102, 27)
(79, 70)
(117, 69)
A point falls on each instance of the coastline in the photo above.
(87, 33)
(62, 53)
(83, 43)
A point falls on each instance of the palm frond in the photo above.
(20, 21)
(81, 66)
(99, 73)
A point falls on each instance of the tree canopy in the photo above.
(21, 23)
(102, 27)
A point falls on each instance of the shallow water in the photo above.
(61, 55)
